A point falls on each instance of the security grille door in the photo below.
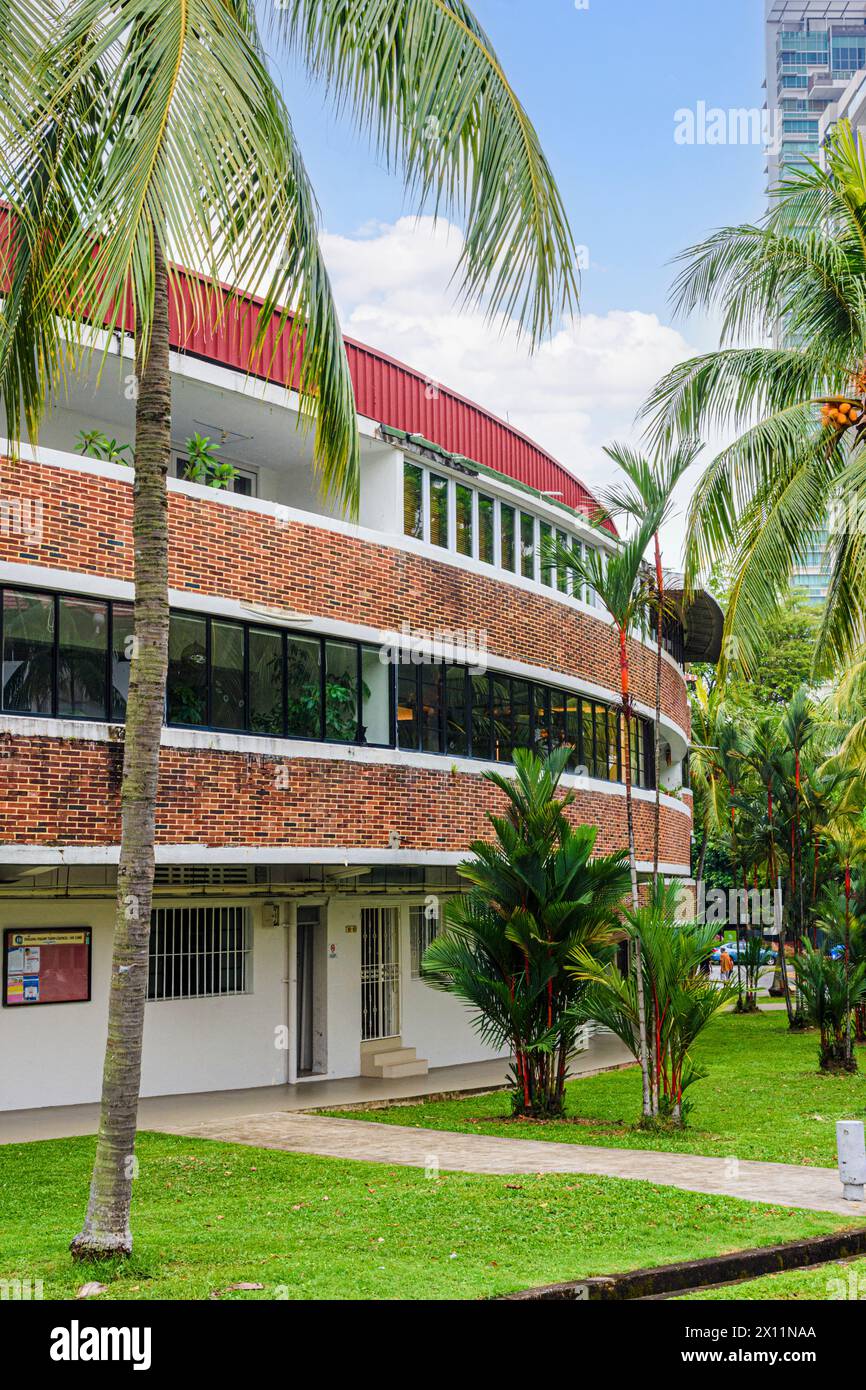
(380, 973)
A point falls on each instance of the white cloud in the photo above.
(580, 390)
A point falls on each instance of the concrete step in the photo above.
(418, 1067)
(391, 1056)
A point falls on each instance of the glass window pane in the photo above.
(502, 736)
(463, 508)
(439, 511)
(507, 539)
(228, 705)
(408, 725)
(576, 583)
(341, 692)
(28, 652)
(572, 730)
(545, 533)
(304, 687)
(481, 728)
(541, 705)
(485, 529)
(266, 681)
(612, 745)
(375, 697)
(122, 631)
(587, 722)
(562, 571)
(601, 764)
(456, 720)
(557, 718)
(527, 545)
(413, 506)
(83, 658)
(522, 710)
(431, 709)
(187, 670)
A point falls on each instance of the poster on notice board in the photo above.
(46, 967)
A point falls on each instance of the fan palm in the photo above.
(138, 131)
(537, 896)
(623, 589)
(650, 487)
(796, 408)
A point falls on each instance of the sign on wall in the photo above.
(46, 967)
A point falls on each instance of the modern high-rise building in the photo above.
(815, 49)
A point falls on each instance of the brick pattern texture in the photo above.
(246, 556)
(65, 792)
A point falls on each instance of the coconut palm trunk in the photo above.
(632, 862)
(660, 595)
(106, 1229)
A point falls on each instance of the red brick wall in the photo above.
(237, 554)
(64, 792)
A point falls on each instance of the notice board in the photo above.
(46, 967)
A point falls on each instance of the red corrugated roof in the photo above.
(386, 390)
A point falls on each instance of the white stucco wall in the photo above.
(52, 1054)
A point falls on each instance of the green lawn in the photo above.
(763, 1098)
(842, 1281)
(208, 1215)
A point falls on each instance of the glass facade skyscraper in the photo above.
(814, 48)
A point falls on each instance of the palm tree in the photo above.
(137, 131)
(651, 484)
(537, 896)
(621, 584)
(798, 409)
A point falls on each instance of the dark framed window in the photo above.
(482, 726)
(457, 711)
(69, 656)
(545, 540)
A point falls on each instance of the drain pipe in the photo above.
(852, 1158)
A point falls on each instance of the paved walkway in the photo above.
(157, 1112)
(817, 1189)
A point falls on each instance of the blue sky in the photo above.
(602, 84)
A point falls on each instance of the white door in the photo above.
(380, 973)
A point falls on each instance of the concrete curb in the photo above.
(666, 1280)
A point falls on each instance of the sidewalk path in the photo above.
(781, 1184)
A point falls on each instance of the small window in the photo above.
(408, 722)
(423, 928)
(439, 529)
(456, 721)
(122, 633)
(199, 952)
(508, 538)
(187, 670)
(486, 550)
(304, 675)
(266, 681)
(83, 655)
(341, 692)
(527, 545)
(562, 569)
(28, 652)
(227, 676)
(545, 533)
(463, 511)
(413, 501)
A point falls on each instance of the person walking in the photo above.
(726, 965)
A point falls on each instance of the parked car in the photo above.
(769, 954)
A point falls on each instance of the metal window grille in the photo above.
(380, 973)
(199, 952)
(422, 930)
